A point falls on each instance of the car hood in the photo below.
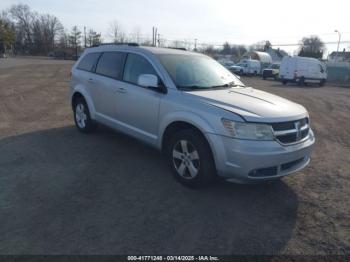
(252, 104)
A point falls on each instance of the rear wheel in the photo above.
(284, 82)
(322, 82)
(301, 81)
(82, 118)
(190, 158)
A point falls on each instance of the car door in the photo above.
(137, 107)
(106, 83)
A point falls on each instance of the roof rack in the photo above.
(127, 44)
(178, 48)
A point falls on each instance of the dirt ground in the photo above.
(62, 192)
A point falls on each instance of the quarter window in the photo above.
(135, 66)
(111, 64)
(87, 62)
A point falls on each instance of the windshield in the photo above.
(197, 72)
(275, 66)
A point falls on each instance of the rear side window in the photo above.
(135, 66)
(87, 62)
(111, 64)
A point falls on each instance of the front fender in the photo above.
(184, 116)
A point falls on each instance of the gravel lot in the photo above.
(62, 192)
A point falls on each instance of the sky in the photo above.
(209, 21)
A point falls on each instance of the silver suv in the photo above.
(204, 119)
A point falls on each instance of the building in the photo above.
(276, 54)
(264, 58)
(343, 56)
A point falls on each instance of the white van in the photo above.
(302, 70)
(247, 67)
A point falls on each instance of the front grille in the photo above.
(289, 165)
(264, 172)
(292, 131)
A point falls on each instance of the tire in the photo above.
(264, 77)
(241, 72)
(82, 118)
(190, 158)
(322, 82)
(284, 82)
(301, 81)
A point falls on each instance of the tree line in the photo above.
(24, 31)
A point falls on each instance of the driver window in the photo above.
(135, 66)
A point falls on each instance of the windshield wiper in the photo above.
(195, 87)
(232, 84)
(192, 87)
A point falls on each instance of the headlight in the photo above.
(251, 131)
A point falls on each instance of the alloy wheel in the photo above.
(186, 159)
(80, 115)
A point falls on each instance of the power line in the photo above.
(326, 43)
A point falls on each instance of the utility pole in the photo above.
(195, 45)
(155, 36)
(158, 41)
(85, 36)
(338, 42)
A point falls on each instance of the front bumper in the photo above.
(269, 73)
(248, 161)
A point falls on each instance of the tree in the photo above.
(74, 39)
(7, 35)
(116, 32)
(93, 38)
(136, 35)
(35, 33)
(226, 50)
(177, 44)
(267, 45)
(259, 46)
(242, 50)
(45, 30)
(210, 50)
(312, 47)
(23, 18)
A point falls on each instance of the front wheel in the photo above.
(190, 158)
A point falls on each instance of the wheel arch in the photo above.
(80, 92)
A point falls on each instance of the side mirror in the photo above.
(148, 80)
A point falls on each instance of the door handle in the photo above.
(90, 80)
(121, 90)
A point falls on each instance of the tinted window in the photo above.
(135, 66)
(88, 61)
(111, 64)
